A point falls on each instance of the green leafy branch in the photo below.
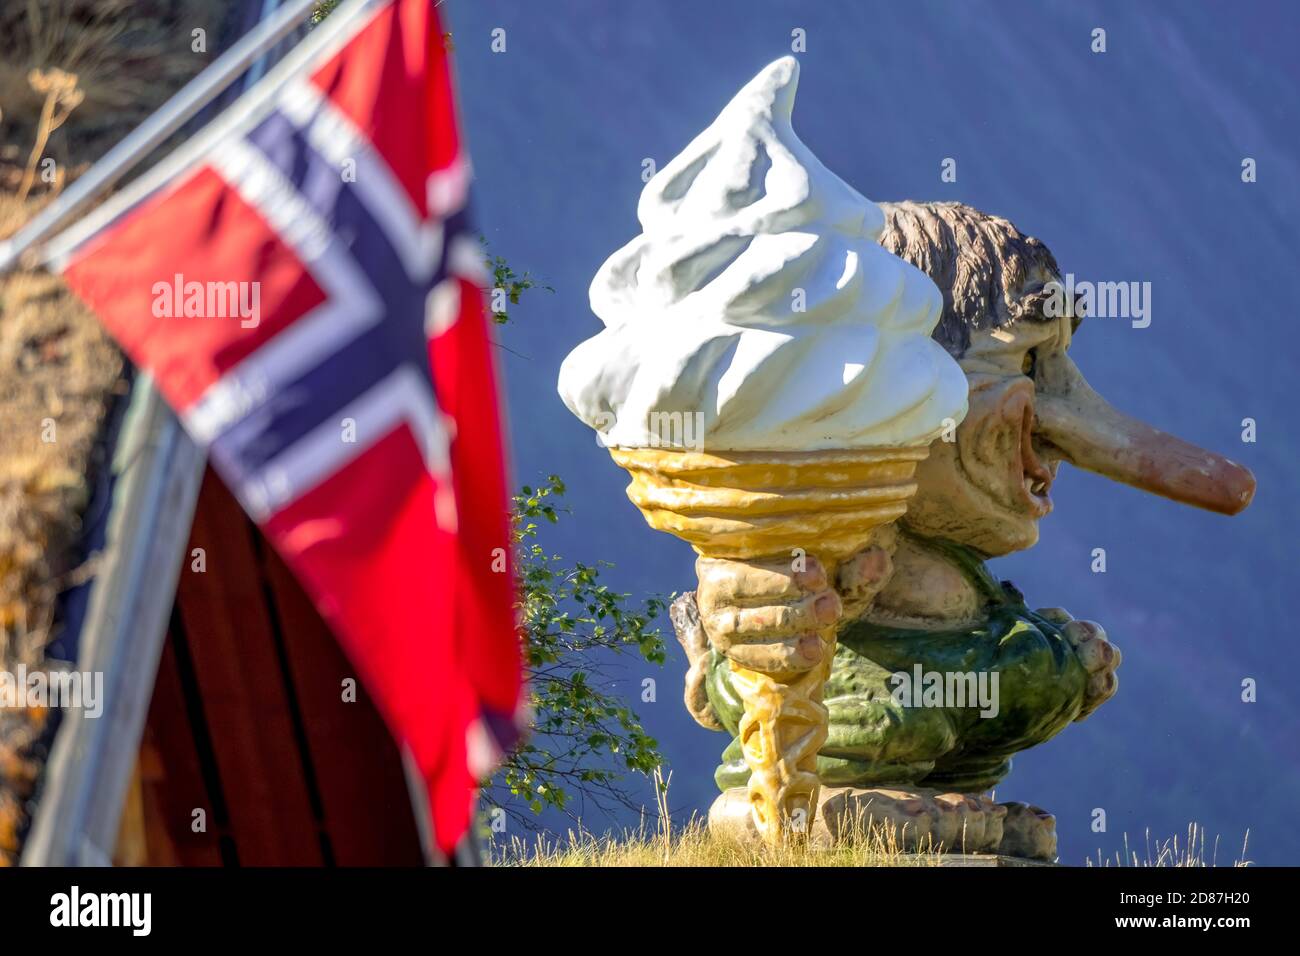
(507, 286)
(585, 739)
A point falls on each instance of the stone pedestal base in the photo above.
(913, 820)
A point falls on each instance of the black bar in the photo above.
(913, 906)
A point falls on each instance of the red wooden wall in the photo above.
(248, 722)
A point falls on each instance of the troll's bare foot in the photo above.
(1028, 831)
(911, 820)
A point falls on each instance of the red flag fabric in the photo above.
(301, 280)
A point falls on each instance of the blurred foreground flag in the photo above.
(301, 280)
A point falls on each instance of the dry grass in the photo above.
(58, 374)
(663, 843)
(1191, 851)
(129, 54)
(693, 845)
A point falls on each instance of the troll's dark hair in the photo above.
(990, 273)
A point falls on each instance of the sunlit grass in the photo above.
(1191, 851)
(658, 841)
(661, 842)
(693, 845)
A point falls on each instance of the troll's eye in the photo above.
(1030, 363)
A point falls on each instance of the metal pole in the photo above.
(419, 793)
(258, 69)
(158, 473)
(155, 130)
(468, 852)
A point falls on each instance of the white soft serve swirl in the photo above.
(702, 310)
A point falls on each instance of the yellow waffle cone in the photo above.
(752, 505)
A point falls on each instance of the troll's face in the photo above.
(1031, 409)
(989, 485)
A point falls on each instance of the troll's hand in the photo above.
(1096, 653)
(766, 615)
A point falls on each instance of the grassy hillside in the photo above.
(692, 845)
(661, 842)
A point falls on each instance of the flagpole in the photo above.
(155, 130)
(468, 853)
(419, 793)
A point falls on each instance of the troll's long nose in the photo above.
(1092, 434)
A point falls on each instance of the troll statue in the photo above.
(885, 394)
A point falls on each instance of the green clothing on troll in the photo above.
(875, 740)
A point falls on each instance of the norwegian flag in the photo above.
(301, 281)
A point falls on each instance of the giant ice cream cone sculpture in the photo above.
(757, 505)
(767, 378)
